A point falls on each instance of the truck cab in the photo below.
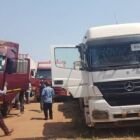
(14, 71)
(43, 74)
(103, 71)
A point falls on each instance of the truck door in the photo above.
(66, 71)
(17, 73)
(2, 66)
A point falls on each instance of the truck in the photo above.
(43, 74)
(104, 73)
(33, 63)
(14, 71)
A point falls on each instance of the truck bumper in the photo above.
(100, 112)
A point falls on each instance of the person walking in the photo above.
(28, 93)
(21, 101)
(2, 123)
(42, 86)
(47, 98)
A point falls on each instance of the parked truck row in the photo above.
(18, 70)
(43, 74)
(103, 72)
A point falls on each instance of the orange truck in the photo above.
(43, 74)
(14, 71)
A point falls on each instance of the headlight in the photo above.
(100, 114)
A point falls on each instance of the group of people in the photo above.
(46, 100)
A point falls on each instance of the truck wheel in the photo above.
(81, 104)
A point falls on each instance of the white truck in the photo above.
(33, 64)
(104, 71)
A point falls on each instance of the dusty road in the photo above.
(31, 124)
(67, 124)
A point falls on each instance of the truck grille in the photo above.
(118, 93)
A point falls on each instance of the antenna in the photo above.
(115, 17)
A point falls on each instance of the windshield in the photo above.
(43, 74)
(114, 53)
(2, 62)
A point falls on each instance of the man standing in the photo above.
(28, 93)
(47, 96)
(21, 101)
(42, 86)
(2, 124)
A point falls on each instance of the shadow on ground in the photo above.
(76, 128)
(35, 110)
(32, 138)
(37, 118)
(11, 115)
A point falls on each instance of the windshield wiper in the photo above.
(114, 67)
(137, 65)
(124, 66)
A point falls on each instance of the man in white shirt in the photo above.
(28, 92)
(2, 124)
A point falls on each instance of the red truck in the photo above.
(44, 74)
(14, 71)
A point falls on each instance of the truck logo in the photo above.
(129, 86)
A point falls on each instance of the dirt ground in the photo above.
(68, 123)
(31, 124)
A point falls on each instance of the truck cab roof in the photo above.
(112, 31)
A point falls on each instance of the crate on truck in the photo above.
(108, 77)
(33, 63)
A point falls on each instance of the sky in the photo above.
(38, 24)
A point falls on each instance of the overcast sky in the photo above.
(38, 24)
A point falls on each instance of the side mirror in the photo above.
(77, 65)
(80, 65)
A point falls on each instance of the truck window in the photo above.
(114, 54)
(10, 67)
(2, 63)
(66, 57)
(43, 74)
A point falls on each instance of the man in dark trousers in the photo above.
(42, 85)
(47, 98)
(21, 101)
(2, 124)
